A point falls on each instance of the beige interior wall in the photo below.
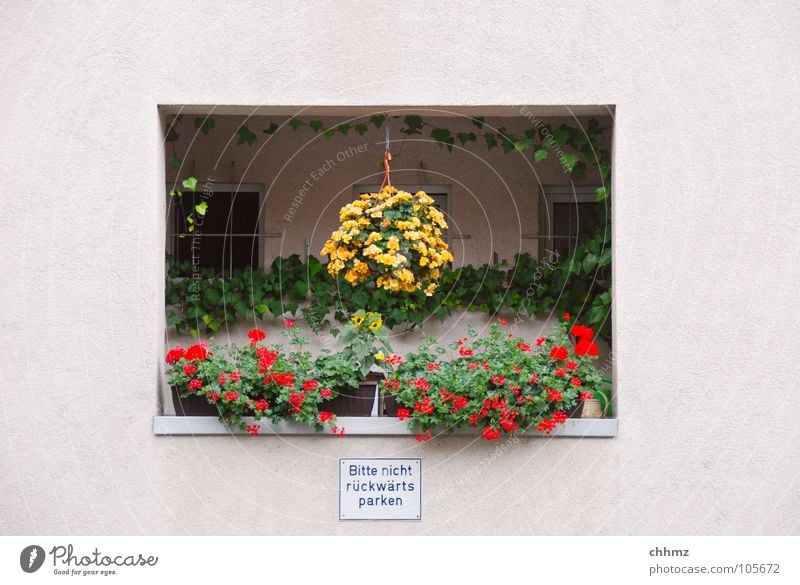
(494, 196)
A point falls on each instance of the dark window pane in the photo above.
(213, 244)
(572, 222)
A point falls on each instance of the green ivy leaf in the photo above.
(190, 183)
(361, 129)
(343, 128)
(175, 161)
(329, 133)
(464, 137)
(273, 127)
(569, 160)
(540, 154)
(443, 136)
(491, 140)
(294, 124)
(523, 145)
(245, 136)
(479, 122)
(201, 208)
(315, 125)
(378, 120)
(204, 124)
(413, 125)
(561, 136)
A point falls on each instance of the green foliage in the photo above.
(499, 383)
(204, 124)
(253, 380)
(580, 284)
(292, 287)
(246, 136)
(361, 338)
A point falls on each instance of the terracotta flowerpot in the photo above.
(192, 405)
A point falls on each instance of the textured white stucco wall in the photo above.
(705, 261)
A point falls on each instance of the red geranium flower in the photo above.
(523, 346)
(197, 352)
(392, 384)
(473, 419)
(540, 341)
(490, 434)
(459, 402)
(579, 331)
(231, 396)
(175, 354)
(586, 347)
(195, 385)
(575, 381)
(213, 396)
(559, 353)
(508, 423)
(424, 437)
(266, 359)
(571, 365)
(190, 369)
(325, 416)
(403, 413)
(221, 379)
(503, 321)
(261, 405)
(310, 385)
(559, 417)
(422, 384)
(547, 426)
(567, 316)
(554, 395)
(534, 379)
(586, 395)
(465, 351)
(283, 379)
(255, 336)
(253, 429)
(296, 400)
(235, 376)
(516, 369)
(425, 406)
(288, 323)
(498, 379)
(561, 372)
(393, 359)
(432, 366)
(326, 392)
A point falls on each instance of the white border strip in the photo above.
(361, 426)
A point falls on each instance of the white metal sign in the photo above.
(380, 489)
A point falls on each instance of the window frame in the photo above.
(549, 195)
(234, 188)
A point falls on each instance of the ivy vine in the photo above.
(580, 284)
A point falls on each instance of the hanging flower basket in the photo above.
(392, 238)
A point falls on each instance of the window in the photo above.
(567, 214)
(228, 237)
(439, 194)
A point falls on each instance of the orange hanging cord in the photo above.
(387, 180)
(387, 157)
